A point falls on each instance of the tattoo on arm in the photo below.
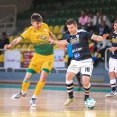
(14, 42)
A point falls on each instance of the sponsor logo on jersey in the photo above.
(41, 37)
(77, 55)
(77, 49)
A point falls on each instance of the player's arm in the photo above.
(99, 38)
(112, 49)
(52, 36)
(13, 43)
(62, 43)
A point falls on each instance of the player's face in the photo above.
(36, 25)
(72, 29)
(115, 27)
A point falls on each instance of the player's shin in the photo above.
(25, 86)
(86, 90)
(69, 85)
(113, 84)
(38, 89)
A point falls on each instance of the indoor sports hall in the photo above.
(14, 20)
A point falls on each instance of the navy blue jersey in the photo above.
(114, 44)
(80, 45)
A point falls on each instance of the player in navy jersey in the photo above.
(113, 63)
(81, 61)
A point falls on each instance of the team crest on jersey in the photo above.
(75, 40)
(114, 40)
(45, 29)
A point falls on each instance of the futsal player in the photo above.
(82, 61)
(43, 58)
(113, 63)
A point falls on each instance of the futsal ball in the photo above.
(90, 103)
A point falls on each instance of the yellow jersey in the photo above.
(39, 39)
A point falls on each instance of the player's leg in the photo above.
(46, 66)
(112, 75)
(86, 85)
(78, 77)
(25, 85)
(69, 84)
(86, 71)
(32, 69)
(69, 81)
(39, 87)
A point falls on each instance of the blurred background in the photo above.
(15, 19)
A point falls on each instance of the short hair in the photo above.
(71, 21)
(35, 17)
(103, 22)
(4, 33)
(83, 10)
(115, 21)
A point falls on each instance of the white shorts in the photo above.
(83, 66)
(112, 65)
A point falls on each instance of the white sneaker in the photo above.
(32, 102)
(111, 94)
(18, 95)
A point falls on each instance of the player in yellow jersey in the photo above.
(43, 58)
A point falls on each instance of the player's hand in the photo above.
(50, 41)
(105, 36)
(62, 47)
(7, 46)
(112, 49)
(58, 43)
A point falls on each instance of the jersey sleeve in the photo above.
(68, 40)
(25, 34)
(88, 35)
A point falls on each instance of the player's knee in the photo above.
(28, 77)
(43, 76)
(86, 84)
(116, 75)
(112, 75)
(70, 75)
(26, 80)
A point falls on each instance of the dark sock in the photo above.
(70, 90)
(86, 90)
(113, 84)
